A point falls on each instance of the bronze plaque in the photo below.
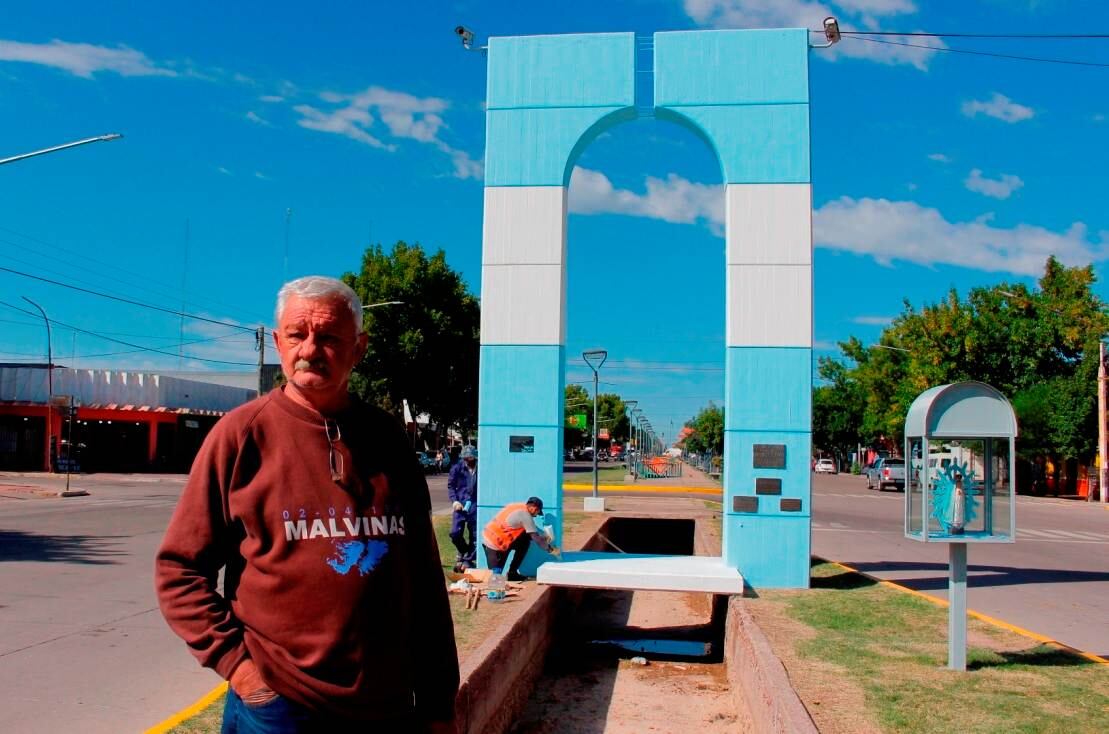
(765, 485)
(790, 505)
(521, 444)
(745, 504)
(770, 456)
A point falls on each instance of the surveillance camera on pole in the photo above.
(467, 37)
(831, 33)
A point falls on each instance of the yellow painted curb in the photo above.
(635, 488)
(207, 700)
(977, 615)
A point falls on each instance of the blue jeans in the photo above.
(282, 716)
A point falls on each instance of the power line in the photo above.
(1011, 57)
(137, 347)
(114, 267)
(1050, 36)
(121, 299)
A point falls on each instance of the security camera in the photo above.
(466, 35)
(831, 30)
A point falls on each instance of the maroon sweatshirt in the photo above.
(332, 588)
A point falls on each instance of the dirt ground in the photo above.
(592, 688)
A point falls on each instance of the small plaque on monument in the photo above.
(770, 456)
(764, 485)
(790, 505)
(745, 504)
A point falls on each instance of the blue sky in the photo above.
(930, 170)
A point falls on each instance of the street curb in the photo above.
(207, 700)
(758, 679)
(1001, 624)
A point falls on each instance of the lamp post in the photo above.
(595, 358)
(74, 144)
(49, 382)
(629, 405)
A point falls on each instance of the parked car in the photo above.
(825, 466)
(886, 473)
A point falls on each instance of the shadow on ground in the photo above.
(979, 576)
(1039, 656)
(16, 545)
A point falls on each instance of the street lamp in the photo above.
(595, 358)
(629, 406)
(49, 382)
(74, 144)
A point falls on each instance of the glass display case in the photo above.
(960, 444)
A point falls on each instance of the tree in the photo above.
(426, 350)
(708, 431)
(1040, 347)
(611, 415)
(837, 412)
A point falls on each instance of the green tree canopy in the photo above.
(1039, 347)
(708, 431)
(426, 350)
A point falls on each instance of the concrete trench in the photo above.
(563, 661)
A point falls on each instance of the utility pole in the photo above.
(1102, 437)
(260, 345)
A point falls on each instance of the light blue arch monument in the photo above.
(746, 93)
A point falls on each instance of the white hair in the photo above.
(318, 287)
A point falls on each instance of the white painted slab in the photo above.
(523, 304)
(769, 306)
(643, 573)
(524, 225)
(768, 224)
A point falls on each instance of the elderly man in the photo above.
(333, 612)
(462, 492)
(513, 529)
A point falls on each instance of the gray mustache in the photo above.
(304, 364)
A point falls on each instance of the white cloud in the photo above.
(904, 230)
(873, 320)
(1099, 117)
(83, 59)
(224, 171)
(673, 199)
(258, 119)
(271, 98)
(404, 116)
(262, 176)
(998, 106)
(861, 14)
(1000, 188)
(939, 157)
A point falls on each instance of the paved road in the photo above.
(84, 647)
(1054, 580)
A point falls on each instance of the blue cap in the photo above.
(468, 452)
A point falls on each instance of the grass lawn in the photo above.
(467, 632)
(891, 647)
(605, 475)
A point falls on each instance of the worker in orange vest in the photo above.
(513, 529)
